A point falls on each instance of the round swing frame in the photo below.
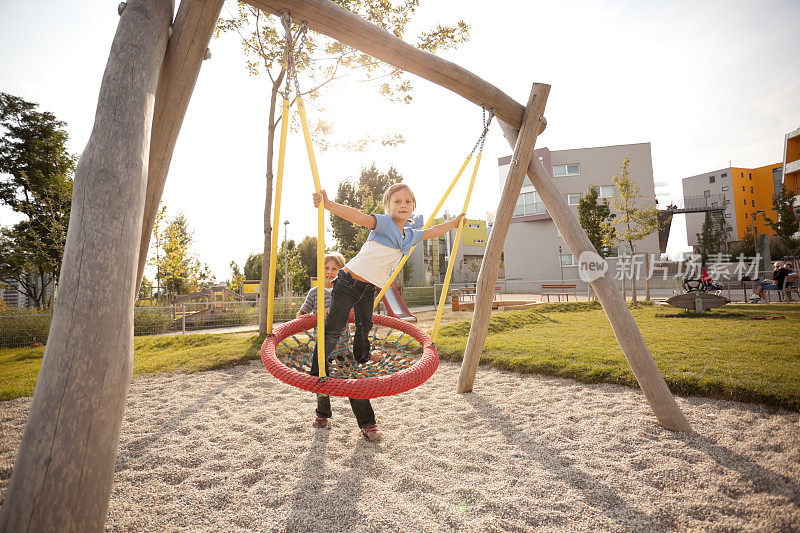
(361, 388)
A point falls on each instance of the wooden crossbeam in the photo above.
(334, 21)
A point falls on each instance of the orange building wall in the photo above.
(747, 202)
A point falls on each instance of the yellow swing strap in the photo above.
(426, 226)
(291, 74)
(320, 240)
(451, 262)
(276, 216)
(478, 144)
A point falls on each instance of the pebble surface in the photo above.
(234, 450)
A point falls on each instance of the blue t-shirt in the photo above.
(388, 234)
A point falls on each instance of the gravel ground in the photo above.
(234, 450)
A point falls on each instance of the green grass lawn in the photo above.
(176, 353)
(723, 353)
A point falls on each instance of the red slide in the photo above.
(395, 306)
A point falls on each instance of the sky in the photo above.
(708, 84)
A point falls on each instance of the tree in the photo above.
(635, 221)
(299, 280)
(307, 252)
(323, 61)
(785, 224)
(181, 271)
(35, 181)
(714, 235)
(145, 290)
(237, 278)
(596, 219)
(252, 267)
(366, 195)
(156, 244)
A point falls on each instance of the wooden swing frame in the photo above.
(64, 468)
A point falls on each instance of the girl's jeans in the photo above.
(348, 293)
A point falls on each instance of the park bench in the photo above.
(565, 290)
(467, 294)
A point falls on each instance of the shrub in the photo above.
(23, 327)
(151, 321)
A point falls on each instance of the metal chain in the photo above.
(292, 57)
(301, 34)
(485, 123)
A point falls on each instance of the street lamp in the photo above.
(285, 259)
(561, 263)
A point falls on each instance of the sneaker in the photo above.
(372, 433)
(321, 422)
(754, 297)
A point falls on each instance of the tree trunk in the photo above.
(633, 276)
(64, 469)
(263, 302)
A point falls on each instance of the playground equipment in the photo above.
(64, 469)
(395, 306)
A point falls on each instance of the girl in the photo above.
(356, 283)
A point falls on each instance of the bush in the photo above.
(237, 316)
(151, 321)
(23, 327)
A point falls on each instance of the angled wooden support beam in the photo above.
(625, 328)
(523, 151)
(65, 465)
(328, 18)
(191, 32)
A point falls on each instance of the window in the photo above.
(742, 174)
(752, 202)
(714, 204)
(614, 251)
(527, 182)
(751, 190)
(529, 203)
(745, 201)
(727, 215)
(706, 194)
(471, 225)
(724, 188)
(751, 176)
(566, 170)
(606, 191)
(571, 198)
(745, 215)
(711, 179)
(724, 175)
(568, 260)
(742, 188)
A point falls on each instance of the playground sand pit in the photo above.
(234, 450)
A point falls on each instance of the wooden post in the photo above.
(191, 33)
(523, 151)
(65, 465)
(625, 329)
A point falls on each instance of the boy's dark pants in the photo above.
(348, 293)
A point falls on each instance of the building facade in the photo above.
(430, 258)
(745, 193)
(791, 165)
(534, 251)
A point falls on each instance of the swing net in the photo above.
(408, 355)
(409, 359)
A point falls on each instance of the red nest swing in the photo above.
(400, 371)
